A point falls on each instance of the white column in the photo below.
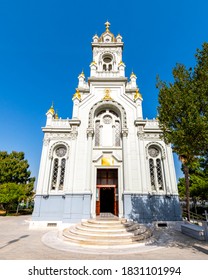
(139, 108)
(125, 161)
(165, 175)
(141, 161)
(171, 171)
(67, 181)
(43, 176)
(120, 192)
(89, 159)
(142, 156)
(75, 108)
(72, 158)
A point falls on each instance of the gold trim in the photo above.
(107, 161)
(107, 95)
(51, 110)
(77, 95)
(82, 74)
(132, 74)
(56, 116)
(93, 63)
(137, 95)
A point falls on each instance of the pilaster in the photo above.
(126, 172)
(90, 133)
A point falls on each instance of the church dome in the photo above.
(107, 36)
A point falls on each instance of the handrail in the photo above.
(194, 216)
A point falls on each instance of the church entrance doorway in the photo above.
(107, 191)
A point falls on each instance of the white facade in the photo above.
(107, 158)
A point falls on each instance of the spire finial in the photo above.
(51, 109)
(107, 25)
(56, 115)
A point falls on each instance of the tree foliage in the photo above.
(198, 182)
(16, 184)
(183, 109)
(183, 114)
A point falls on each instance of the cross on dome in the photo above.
(107, 25)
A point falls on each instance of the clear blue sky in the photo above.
(45, 44)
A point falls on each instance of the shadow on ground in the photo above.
(13, 241)
(169, 237)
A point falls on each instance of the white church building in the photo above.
(106, 158)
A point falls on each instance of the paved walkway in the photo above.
(17, 242)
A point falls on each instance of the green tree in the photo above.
(16, 183)
(198, 182)
(183, 113)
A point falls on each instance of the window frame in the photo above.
(101, 119)
(60, 172)
(156, 170)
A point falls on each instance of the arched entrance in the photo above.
(107, 191)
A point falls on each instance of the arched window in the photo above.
(58, 168)
(107, 129)
(156, 168)
(107, 60)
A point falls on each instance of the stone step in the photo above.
(100, 234)
(101, 227)
(104, 242)
(100, 230)
(106, 232)
(95, 240)
(104, 221)
(106, 226)
(103, 224)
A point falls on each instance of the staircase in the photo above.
(106, 231)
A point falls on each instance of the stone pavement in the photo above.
(18, 242)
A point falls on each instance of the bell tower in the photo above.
(107, 55)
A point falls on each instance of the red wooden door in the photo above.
(107, 178)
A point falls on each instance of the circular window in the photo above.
(153, 152)
(107, 59)
(107, 119)
(61, 151)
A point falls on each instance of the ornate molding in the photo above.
(56, 135)
(73, 135)
(158, 145)
(55, 145)
(46, 141)
(140, 135)
(110, 104)
(124, 132)
(90, 132)
(155, 136)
